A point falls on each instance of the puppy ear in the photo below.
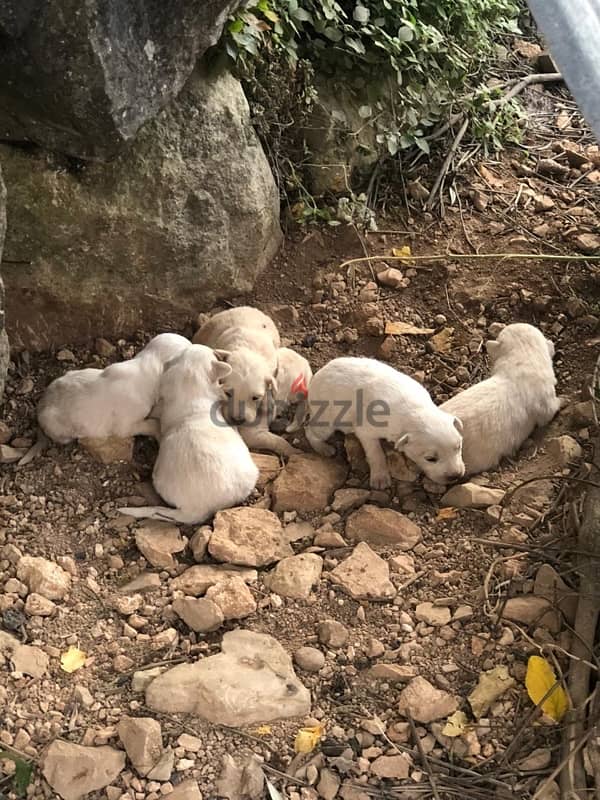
(222, 355)
(551, 348)
(401, 442)
(458, 424)
(220, 371)
(492, 347)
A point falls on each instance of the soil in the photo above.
(64, 503)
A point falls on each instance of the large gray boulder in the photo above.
(4, 352)
(189, 213)
(82, 78)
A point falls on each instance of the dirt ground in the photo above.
(64, 504)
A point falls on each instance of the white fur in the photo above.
(115, 401)
(203, 465)
(248, 340)
(499, 413)
(290, 367)
(414, 424)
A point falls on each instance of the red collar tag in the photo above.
(299, 386)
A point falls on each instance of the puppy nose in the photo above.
(237, 420)
(454, 476)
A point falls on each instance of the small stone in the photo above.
(565, 450)
(44, 577)
(30, 660)
(436, 616)
(142, 739)
(295, 576)
(346, 499)
(144, 677)
(65, 355)
(144, 582)
(588, 243)
(364, 575)
(37, 605)
(332, 633)
(196, 580)
(127, 604)
(543, 202)
(537, 760)
(165, 639)
(471, 495)
(328, 785)
(391, 277)
(83, 695)
(375, 648)
(233, 597)
(110, 450)
(163, 770)
(199, 613)
(248, 536)
(199, 543)
(268, 466)
(391, 767)
(307, 483)
(462, 613)
(492, 684)
(425, 702)
(9, 455)
(239, 779)
(157, 541)
(6, 433)
(374, 326)
(529, 610)
(382, 526)
(309, 659)
(329, 539)
(74, 771)
(401, 469)
(403, 563)
(190, 743)
(550, 585)
(394, 673)
(104, 348)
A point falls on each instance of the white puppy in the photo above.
(293, 378)
(203, 465)
(115, 401)
(499, 413)
(248, 340)
(374, 401)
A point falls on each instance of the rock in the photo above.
(491, 685)
(329, 539)
(382, 526)
(426, 703)
(74, 771)
(145, 208)
(328, 785)
(550, 585)
(364, 575)
(241, 779)
(403, 563)
(588, 243)
(142, 739)
(111, 450)
(538, 759)
(127, 604)
(37, 605)
(199, 542)
(471, 495)
(355, 454)
(295, 576)
(30, 660)
(393, 673)
(186, 790)
(391, 767)
(44, 577)
(332, 633)
(157, 541)
(268, 468)
(433, 615)
(83, 696)
(104, 348)
(401, 469)
(391, 277)
(144, 677)
(196, 580)
(565, 450)
(307, 483)
(251, 681)
(193, 744)
(531, 610)
(8, 454)
(309, 659)
(144, 582)
(162, 771)
(346, 499)
(199, 613)
(233, 597)
(248, 536)
(4, 347)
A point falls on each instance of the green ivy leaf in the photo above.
(361, 14)
(405, 34)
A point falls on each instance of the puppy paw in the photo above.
(380, 480)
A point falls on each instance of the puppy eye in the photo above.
(432, 459)
(256, 398)
(228, 393)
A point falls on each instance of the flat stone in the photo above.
(233, 597)
(241, 778)
(537, 760)
(332, 633)
(329, 539)
(141, 679)
(37, 605)
(403, 563)
(296, 531)
(157, 541)
(295, 576)
(382, 526)
(197, 579)
(392, 767)
(144, 582)
(492, 684)
(186, 790)
(248, 536)
(74, 771)
(364, 575)
(199, 543)
(393, 673)
(346, 499)
(564, 450)
(328, 785)
(425, 702)
(44, 577)
(110, 450)
(30, 660)
(199, 613)
(251, 681)
(471, 495)
(193, 744)
(307, 483)
(433, 615)
(163, 770)
(10, 455)
(531, 610)
(127, 604)
(142, 739)
(309, 659)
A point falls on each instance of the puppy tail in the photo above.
(35, 450)
(161, 513)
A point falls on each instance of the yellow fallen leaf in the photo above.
(73, 659)
(540, 678)
(406, 329)
(402, 252)
(448, 512)
(308, 738)
(263, 730)
(455, 724)
(442, 341)
(491, 685)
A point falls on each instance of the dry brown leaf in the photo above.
(491, 685)
(442, 341)
(406, 329)
(490, 177)
(448, 512)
